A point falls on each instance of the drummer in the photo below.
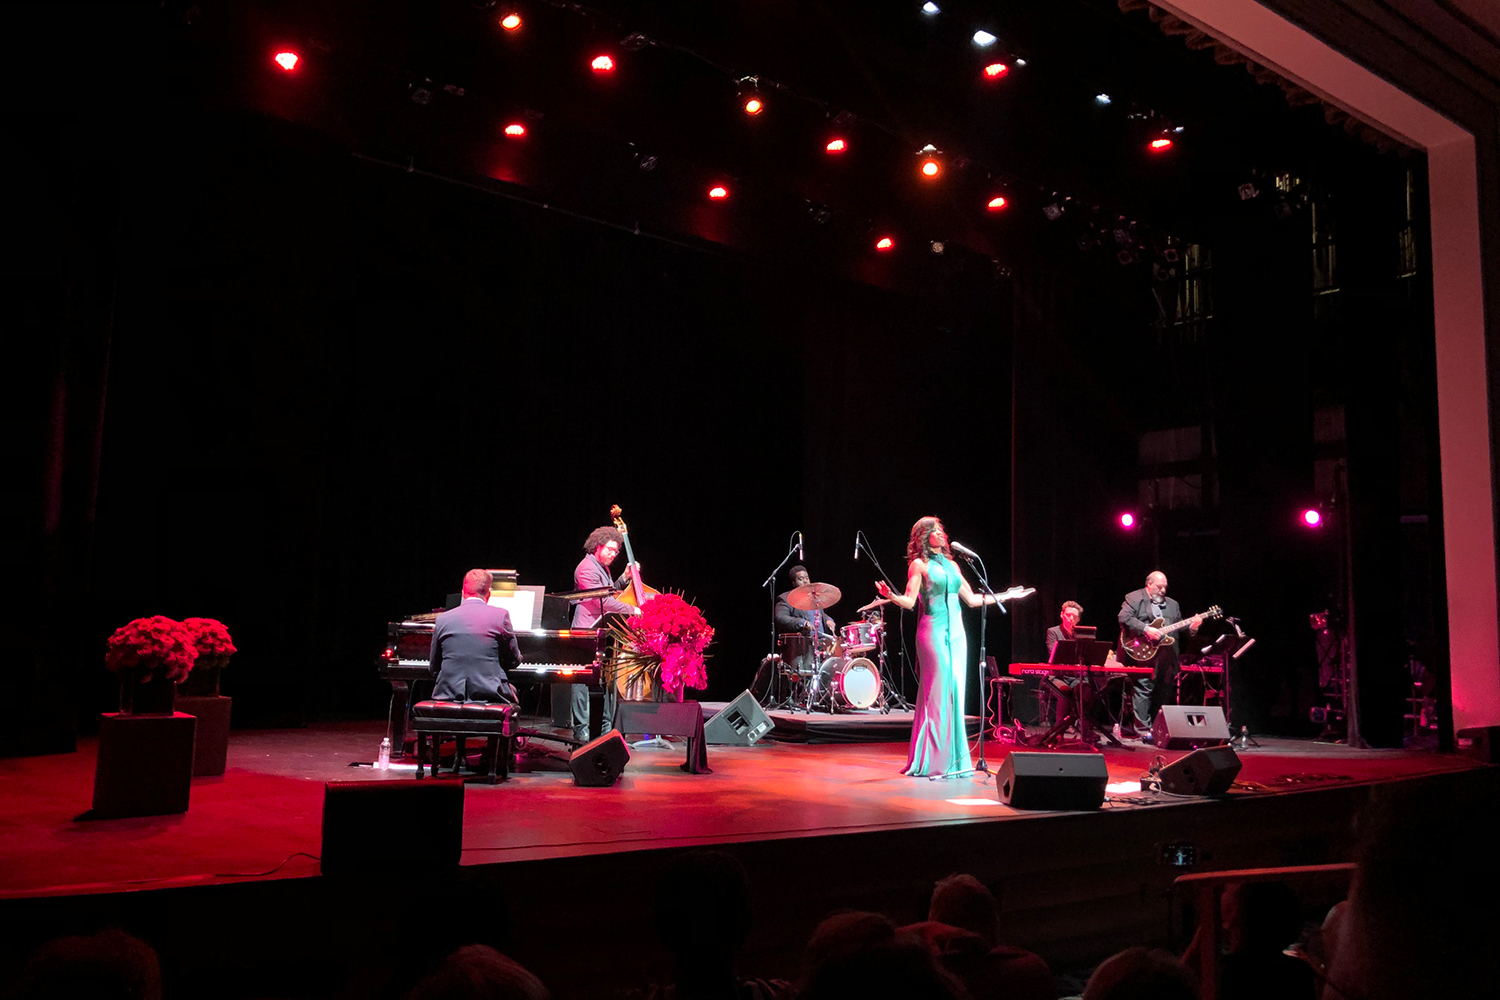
(791, 619)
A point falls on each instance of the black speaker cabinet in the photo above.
(598, 764)
(359, 818)
(1479, 743)
(738, 724)
(1052, 780)
(1186, 727)
(1209, 771)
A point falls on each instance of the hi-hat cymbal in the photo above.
(814, 596)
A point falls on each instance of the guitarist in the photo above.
(1140, 697)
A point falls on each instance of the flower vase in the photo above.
(203, 682)
(149, 692)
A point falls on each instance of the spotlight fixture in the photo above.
(1159, 145)
(930, 168)
(515, 130)
(1102, 100)
(984, 39)
(1127, 520)
(754, 106)
(634, 42)
(930, 164)
(937, 247)
(995, 70)
(929, 8)
(286, 59)
(602, 64)
(1020, 63)
(1169, 255)
(750, 99)
(836, 146)
(885, 244)
(511, 22)
(718, 192)
(997, 203)
(1312, 517)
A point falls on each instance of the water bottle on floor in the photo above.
(384, 763)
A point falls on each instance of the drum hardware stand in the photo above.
(770, 582)
(891, 694)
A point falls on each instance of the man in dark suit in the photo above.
(570, 702)
(1049, 691)
(472, 645)
(1142, 695)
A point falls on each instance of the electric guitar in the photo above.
(1138, 647)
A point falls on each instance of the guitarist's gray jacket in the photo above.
(1137, 611)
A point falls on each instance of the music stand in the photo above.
(1088, 654)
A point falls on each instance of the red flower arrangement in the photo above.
(665, 642)
(149, 646)
(213, 642)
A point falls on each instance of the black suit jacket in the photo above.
(790, 619)
(1137, 611)
(471, 647)
(591, 574)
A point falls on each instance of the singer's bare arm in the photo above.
(916, 570)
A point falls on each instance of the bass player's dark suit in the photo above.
(1136, 612)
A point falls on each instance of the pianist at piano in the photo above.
(472, 645)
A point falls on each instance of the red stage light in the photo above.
(930, 168)
(836, 146)
(718, 192)
(510, 22)
(1161, 145)
(1127, 520)
(1312, 518)
(995, 71)
(885, 243)
(515, 130)
(286, 59)
(602, 64)
(997, 203)
(753, 106)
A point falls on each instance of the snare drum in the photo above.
(843, 684)
(860, 637)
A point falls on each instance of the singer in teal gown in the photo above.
(936, 588)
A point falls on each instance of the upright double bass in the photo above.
(637, 593)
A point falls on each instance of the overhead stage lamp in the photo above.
(1102, 100)
(718, 192)
(931, 8)
(929, 165)
(286, 59)
(602, 64)
(996, 203)
(1160, 144)
(511, 22)
(1127, 520)
(515, 130)
(1312, 518)
(885, 244)
(984, 39)
(995, 70)
(836, 146)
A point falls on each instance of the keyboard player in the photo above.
(472, 645)
(1049, 694)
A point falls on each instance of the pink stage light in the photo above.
(1127, 520)
(836, 146)
(286, 59)
(1312, 518)
(718, 192)
(1160, 145)
(515, 130)
(997, 203)
(930, 168)
(995, 71)
(602, 64)
(754, 106)
(885, 243)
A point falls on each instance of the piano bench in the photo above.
(496, 721)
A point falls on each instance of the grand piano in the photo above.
(548, 655)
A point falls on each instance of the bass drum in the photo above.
(845, 685)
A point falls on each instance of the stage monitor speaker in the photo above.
(1209, 771)
(1052, 780)
(1187, 727)
(738, 724)
(1479, 743)
(360, 816)
(598, 764)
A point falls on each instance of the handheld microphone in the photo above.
(856, 546)
(962, 549)
(800, 556)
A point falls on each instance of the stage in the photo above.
(819, 826)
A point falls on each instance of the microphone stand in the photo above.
(980, 767)
(861, 544)
(770, 585)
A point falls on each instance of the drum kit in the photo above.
(832, 673)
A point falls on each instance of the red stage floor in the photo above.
(268, 805)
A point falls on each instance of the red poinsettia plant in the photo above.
(152, 646)
(666, 643)
(213, 642)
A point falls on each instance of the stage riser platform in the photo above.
(1076, 887)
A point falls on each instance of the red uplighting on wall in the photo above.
(286, 59)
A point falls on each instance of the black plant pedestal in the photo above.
(211, 743)
(145, 765)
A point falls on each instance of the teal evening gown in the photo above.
(939, 740)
